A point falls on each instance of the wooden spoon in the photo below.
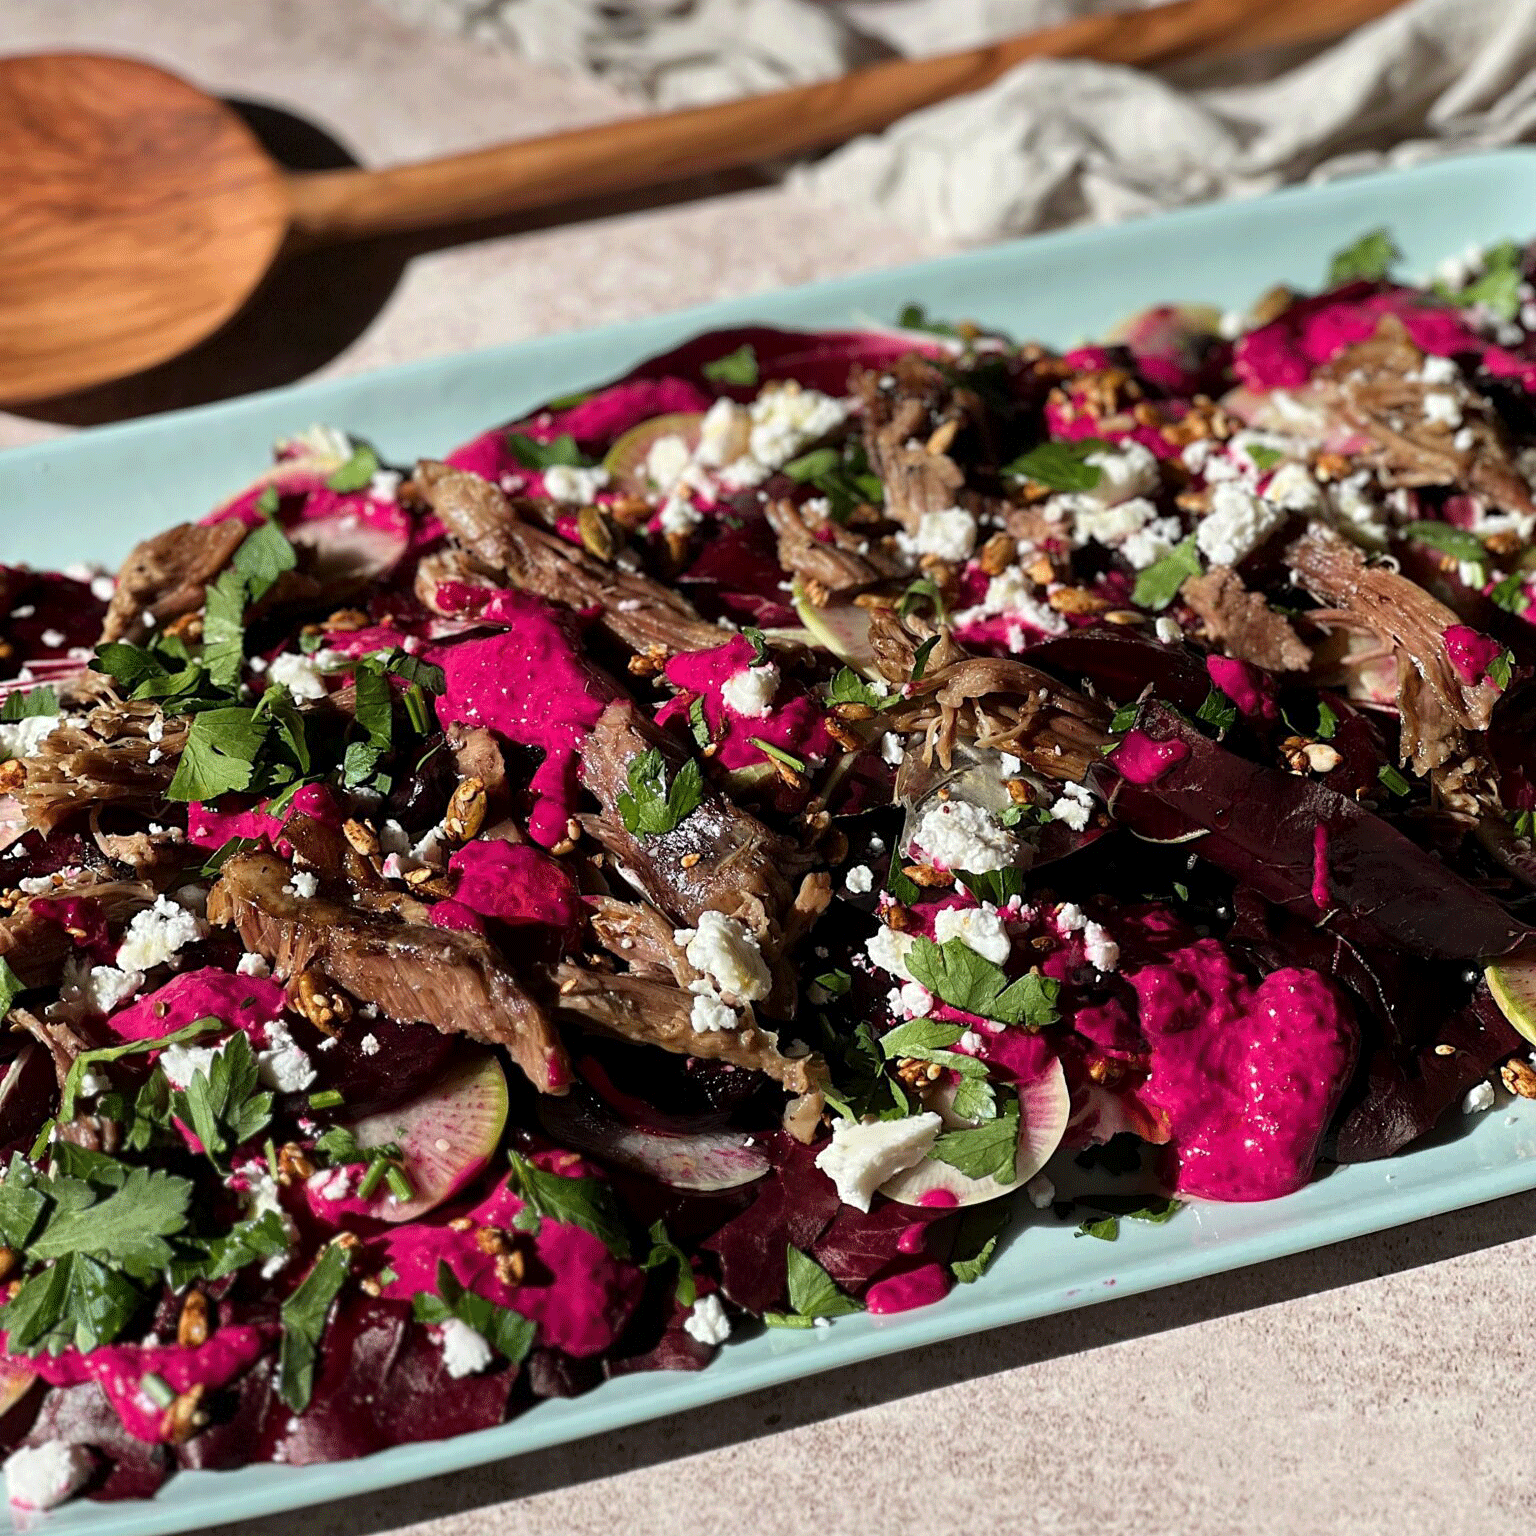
(139, 213)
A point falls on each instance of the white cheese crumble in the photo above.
(709, 1015)
(860, 880)
(667, 461)
(92, 989)
(723, 433)
(1479, 1097)
(949, 534)
(181, 1063)
(1294, 487)
(787, 419)
(252, 964)
(860, 1158)
(369, 1045)
(679, 515)
(303, 884)
(1110, 526)
(261, 1197)
(1070, 918)
(1074, 806)
(980, 929)
(887, 950)
(1102, 951)
(465, 1350)
(1128, 471)
(22, 738)
(1041, 1191)
(1011, 594)
(750, 692)
(1168, 630)
(1440, 405)
(282, 1063)
(53, 638)
(957, 835)
(1438, 370)
(707, 1321)
(42, 1476)
(1148, 545)
(156, 934)
(722, 949)
(892, 749)
(299, 674)
(567, 483)
(914, 1000)
(1236, 525)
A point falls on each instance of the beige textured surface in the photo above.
(1383, 1386)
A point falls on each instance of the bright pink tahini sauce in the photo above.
(919, 1287)
(1144, 761)
(1470, 652)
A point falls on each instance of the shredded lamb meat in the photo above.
(1243, 623)
(164, 577)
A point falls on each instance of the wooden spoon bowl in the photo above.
(140, 213)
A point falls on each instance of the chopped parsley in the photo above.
(1264, 457)
(920, 657)
(1060, 466)
(357, 473)
(651, 806)
(813, 1293)
(535, 455)
(581, 1202)
(975, 1243)
(986, 1151)
(847, 687)
(664, 1254)
(1158, 585)
(507, 1331)
(303, 1317)
(33, 704)
(738, 368)
(1497, 287)
(1369, 259)
(1458, 543)
(957, 975)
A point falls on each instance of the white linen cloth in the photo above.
(1054, 141)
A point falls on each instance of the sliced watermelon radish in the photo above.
(704, 1160)
(446, 1136)
(625, 460)
(843, 628)
(1044, 1108)
(1513, 984)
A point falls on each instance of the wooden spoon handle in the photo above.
(647, 151)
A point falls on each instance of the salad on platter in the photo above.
(687, 860)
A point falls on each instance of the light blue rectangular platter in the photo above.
(90, 496)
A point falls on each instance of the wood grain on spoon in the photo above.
(140, 213)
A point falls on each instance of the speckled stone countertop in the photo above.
(1381, 1386)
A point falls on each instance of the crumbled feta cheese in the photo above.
(667, 461)
(87, 989)
(958, 835)
(334, 1183)
(723, 433)
(1479, 1097)
(53, 638)
(282, 1063)
(567, 483)
(385, 485)
(1012, 593)
(709, 1015)
(369, 1045)
(887, 950)
(949, 534)
(892, 749)
(1041, 1191)
(860, 880)
(1439, 370)
(980, 929)
(23, 738)
(393, 838)
(1074, 806)
(916, 1001)
(707, 1322)
(303, 884)
(1102, 951)
(43, 1476)
(465, 1350)
(1112, 525)
(181, 1063)
(299, 674)
(679, 515)
(750, 692)
(1236, 525)
(1465, 440)
(156, 934)
(252, 964)
(1440, 405)
(722, 949)
(1069, 918)
(787, 418)
(1294, 487)
(102, 587)
(860, 1158)
(1168, 630)
(1124, 472)
(1009, 766)
(1150, 544)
